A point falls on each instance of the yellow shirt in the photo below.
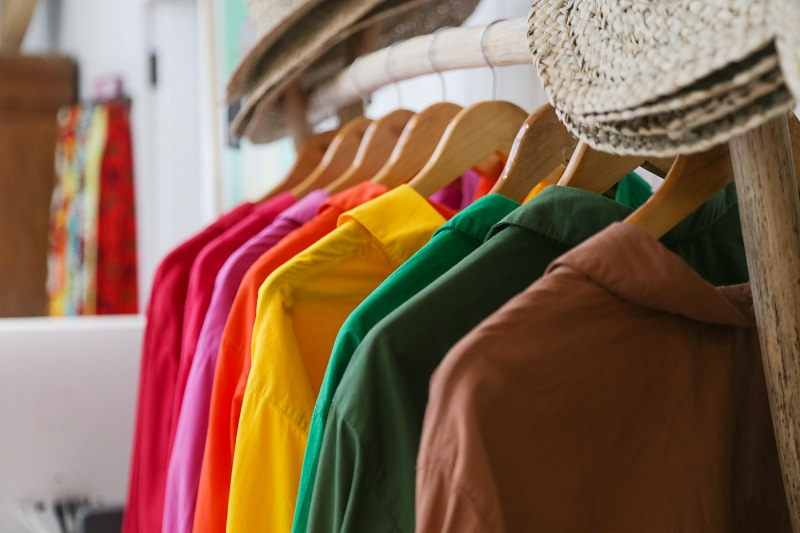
(301, 307)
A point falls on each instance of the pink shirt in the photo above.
(190, 436)
(201, 285)
(159, 368)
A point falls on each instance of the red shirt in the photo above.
(159, 368)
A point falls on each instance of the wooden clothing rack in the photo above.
(765, 181)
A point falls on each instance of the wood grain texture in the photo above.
(309, 156)
(416, 145)
(476, 132)
(691, 182)
(31, 91)
(374, 150)
(337, 158)
(770, 212)
(294, 108)
(542, 144)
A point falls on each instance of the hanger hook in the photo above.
(354, 79)
(387, 69)
(482, 37)
(431, 40)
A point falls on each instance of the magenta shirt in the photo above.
(186, 459)
(201, 285)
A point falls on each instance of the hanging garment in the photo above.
(365, 478)
(301, 307)
(63, 198)
(190, 434)
(638, 403)
(450, 244)
(96, 137)
(233, 361)
(160, 357)
(201, 284)
(117, 280)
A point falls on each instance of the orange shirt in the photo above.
(233, 364)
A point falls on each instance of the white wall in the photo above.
(175, 193)
(67, 397)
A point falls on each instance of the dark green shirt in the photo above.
(366, 473)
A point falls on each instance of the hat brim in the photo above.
(691, 140)
(314, 46)
(618, 56)
(245, 74)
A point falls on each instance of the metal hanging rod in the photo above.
(505, 43)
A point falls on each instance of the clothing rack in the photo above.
(765, 180)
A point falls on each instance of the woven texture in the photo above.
(647, 77)
(786, 20)
(598, 56)
(316, 48)
(272, 18)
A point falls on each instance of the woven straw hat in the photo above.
(786, 20)
(316, 48)
(272, 18)
(599, 56)
(660, 78)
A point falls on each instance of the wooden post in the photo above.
(770, 212)
(294, 114)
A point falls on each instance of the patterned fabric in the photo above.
(116, 255)
(92, 259)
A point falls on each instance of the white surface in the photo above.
(67, 397)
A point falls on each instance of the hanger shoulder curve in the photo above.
(477, 131)
(308, 158)
(416, 144)
(375, 148)
(542, 144)
(337, 158)
(692, 181)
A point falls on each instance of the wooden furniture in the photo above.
(31, 91)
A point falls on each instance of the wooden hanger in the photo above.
(337, 158)
(692, 181)
(596, 171)
(415, 146)
(476, 132)
(374, 150)
(542, 144)
(308, 158)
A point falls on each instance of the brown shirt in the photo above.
(620, 392)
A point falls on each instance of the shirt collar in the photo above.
(570, 215)
(305, 208)
(275, 204)
(629, 263)
(401, 220)
(564, 214)
(352, 197)
(477, 219)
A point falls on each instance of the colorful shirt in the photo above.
(365, 479)
(201, 285)
(637, 403)
(160, 357)
(190, 435)
(233, 362)
(301, 307)
(449, 245)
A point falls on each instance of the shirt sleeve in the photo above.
(346, 497)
